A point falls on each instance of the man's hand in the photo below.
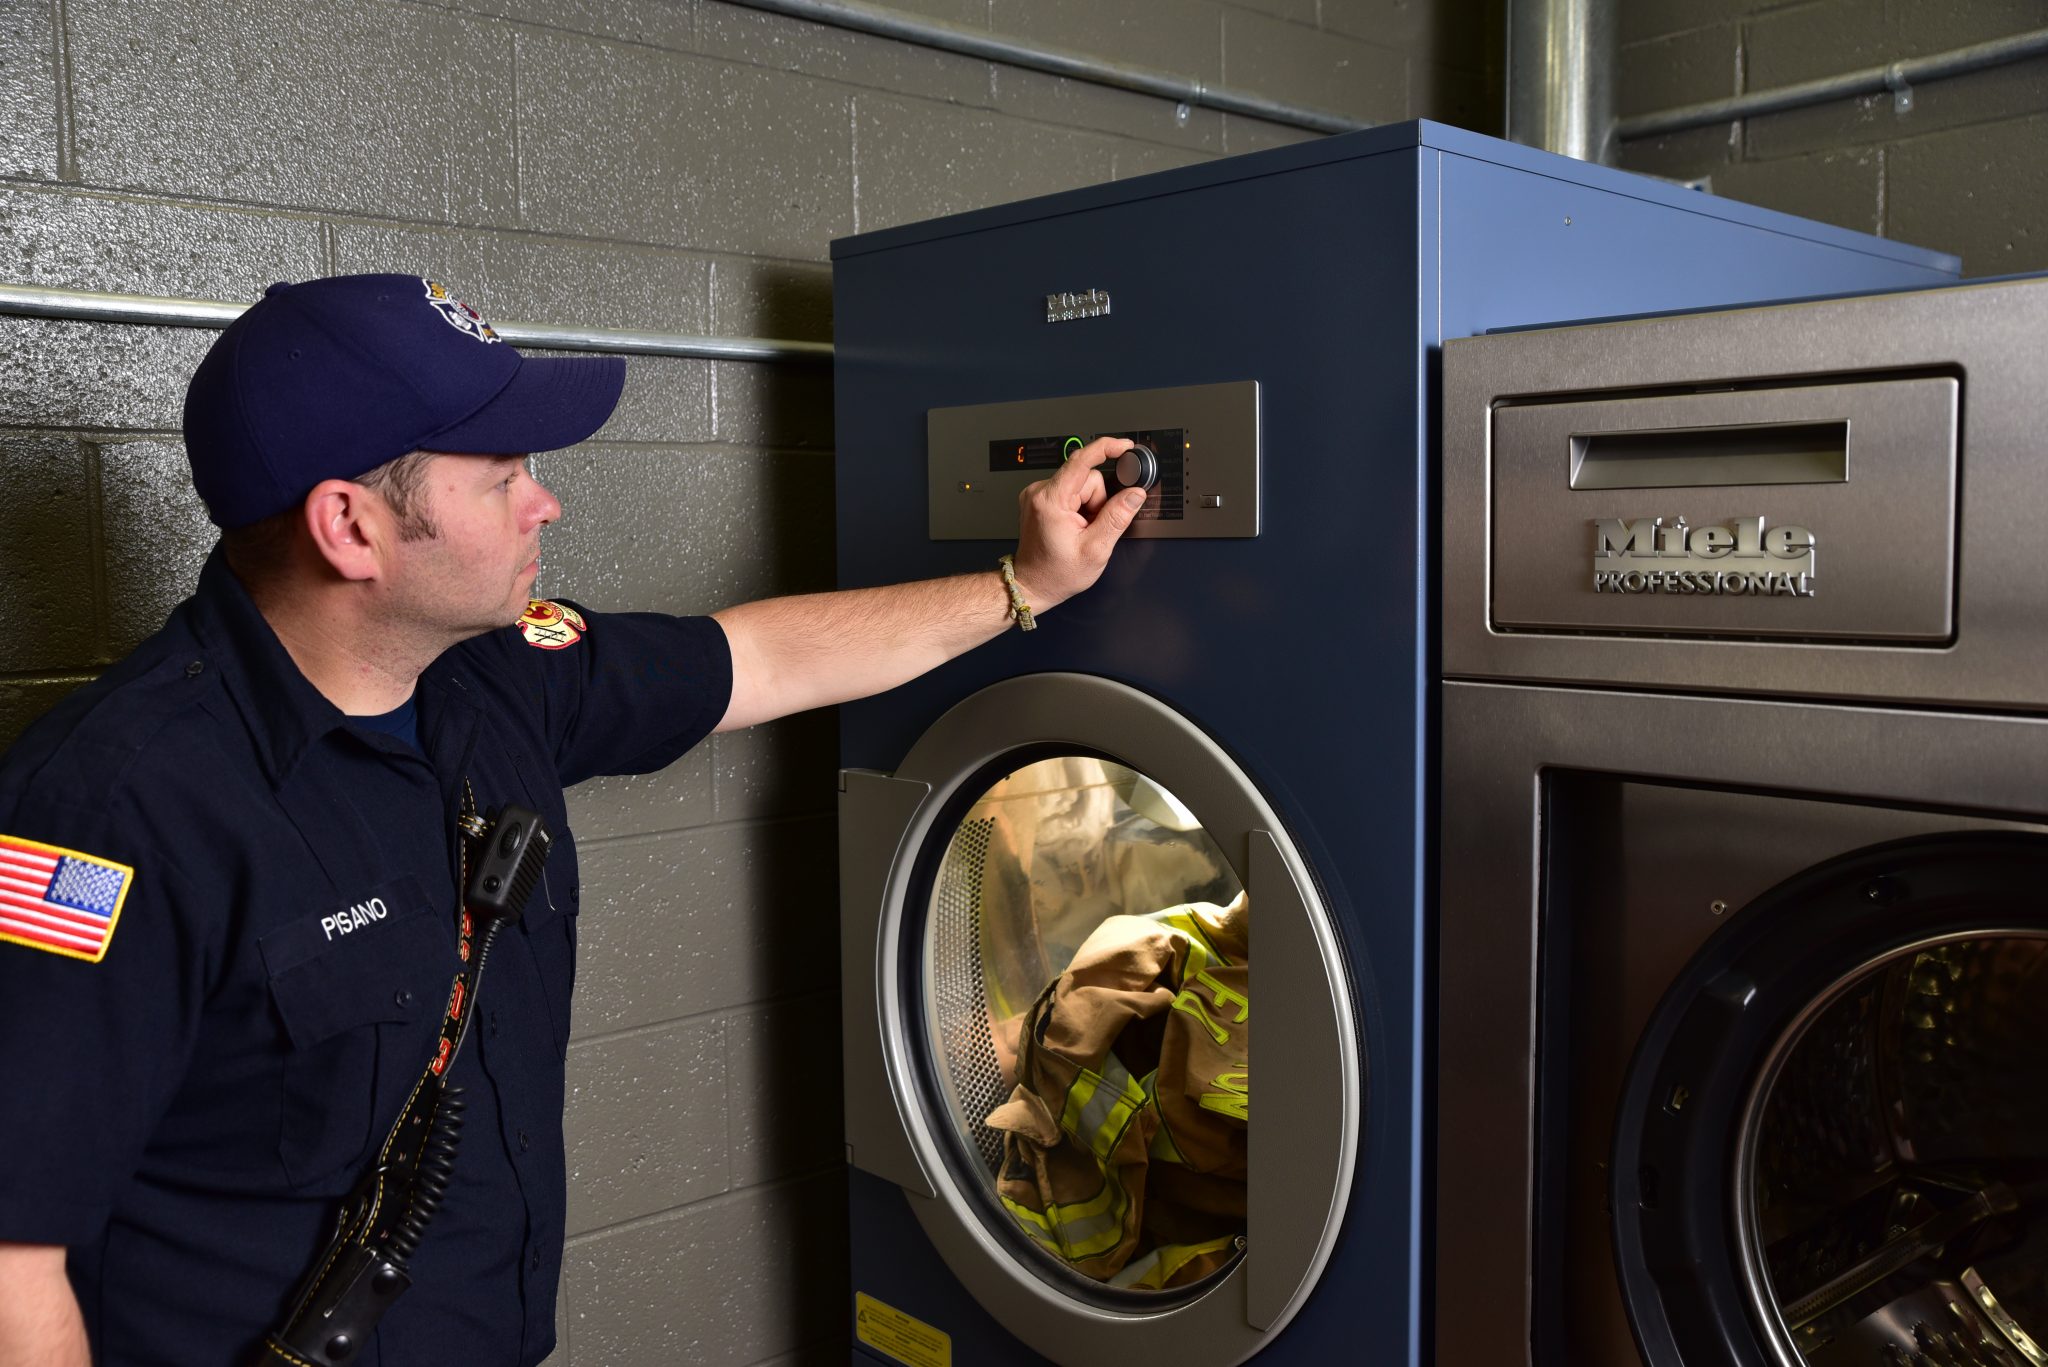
(1068, 525)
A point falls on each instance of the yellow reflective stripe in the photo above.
(1183, 919)
(1077, 1232)
(1031, 1222)
(1157, 1268)
(1098, 1232)
(1100, 1106)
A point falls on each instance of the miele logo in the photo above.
(1747, 557)
(1065, 308)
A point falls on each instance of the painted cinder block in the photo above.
(1844, 188)
(155, 535)
(69, 240)
(705, 920)
(1686, 68)
(1454, 95)
(655, 23)
(1295, 11)
(1977, 192)
(645, 1122)
(1639, 20)
(758, 38)
(919, 160)
(363, 107)
(670, 799)
(685, 530)
(784, 1092)
(28, 91)
(781, 768)
(1992, 96)
(752, 297)
(1443, 32)
(781, 405)
(1244, 134)
(1082, 104)
(46, 562)
(724, 157)
(101, 376)
(23, 700)
(745, 1278)
(1320, 70)
(1143, 158)
(1181, 36)
(519, 277)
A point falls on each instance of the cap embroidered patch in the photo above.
(58, 899)
(460, 316)
(551, 626)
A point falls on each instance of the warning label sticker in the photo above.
(904, 1337)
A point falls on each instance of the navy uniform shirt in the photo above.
(185, 1113)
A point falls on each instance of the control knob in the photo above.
(1137, 468)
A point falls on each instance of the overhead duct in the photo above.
(1561, 56)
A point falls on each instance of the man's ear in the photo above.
(350, 528)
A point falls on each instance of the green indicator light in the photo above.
(1073, 445)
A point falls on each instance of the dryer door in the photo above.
(1047, 916)
(1832, 1150)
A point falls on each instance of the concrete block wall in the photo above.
(672, 165)
(1965, 171)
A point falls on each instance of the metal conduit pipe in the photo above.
(35, 301)
(932, 33)
(1561, 56)
(1898, 77)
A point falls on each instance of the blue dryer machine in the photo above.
(1239, 720)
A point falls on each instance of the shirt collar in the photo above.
(286, 714)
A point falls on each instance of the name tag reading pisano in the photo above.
(1649, 555)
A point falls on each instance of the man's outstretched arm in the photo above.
(813, 650)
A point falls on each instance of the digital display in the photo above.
(1167, 498)
(1031, 453)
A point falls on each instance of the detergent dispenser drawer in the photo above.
(1821, 511)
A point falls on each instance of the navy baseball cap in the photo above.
(332, 378)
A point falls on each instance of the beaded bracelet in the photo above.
(1020, 611)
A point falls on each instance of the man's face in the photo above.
(476, 574)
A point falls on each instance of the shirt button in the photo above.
(534, 1262)
(524, 1144)
(195, 669)
(403, 996)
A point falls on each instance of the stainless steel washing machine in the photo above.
(1743, 943)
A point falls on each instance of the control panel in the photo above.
(1196, 454)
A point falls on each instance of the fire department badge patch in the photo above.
(551, 626)
(459, 315)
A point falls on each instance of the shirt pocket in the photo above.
(550, 924)
(358, 1007)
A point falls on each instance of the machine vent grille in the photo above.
(959, 1001)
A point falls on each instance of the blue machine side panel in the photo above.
(1523, 249)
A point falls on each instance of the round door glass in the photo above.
(1899, 1159)
(1088, 968)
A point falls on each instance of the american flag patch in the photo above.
(58, 899)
